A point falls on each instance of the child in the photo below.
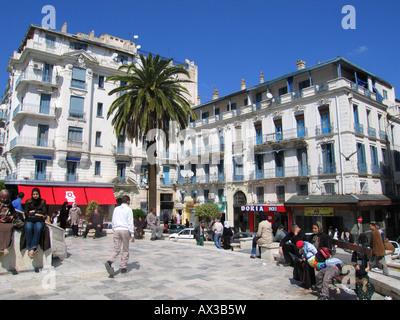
(308, 252)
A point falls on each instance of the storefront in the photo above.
(276, 214)
(339, 211)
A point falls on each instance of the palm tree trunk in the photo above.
(152, 186)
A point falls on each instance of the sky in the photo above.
(229, 40)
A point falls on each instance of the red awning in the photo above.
(71, 195)
(103, 196)
(46, 193)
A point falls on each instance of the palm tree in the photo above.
(151, 95)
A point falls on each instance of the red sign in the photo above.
(359, 219)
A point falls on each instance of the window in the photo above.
(78, 45)
(280, 193)
(374, 160)
(101, 82)
(47, 73)
(357, 126)
(45, 103)
(325, 121)
(259, 162)
(304, 84)
(260, 194)
(302, 161)
(50, 40)
(99, 109)
(328, 158)
(282, 91)
(259, 135)
(122, 59)
(302, 189)
(121, 168)
(78, 78)
(76, 107)
(301, 130)
(397, 160)
(75, 134)
(43, 132)
(278, 129)
(98, 139)
(329, 188)
(361, 160)
(97, 168)
(237, 170)
(40, 169)
(71, 170)
(279, 164)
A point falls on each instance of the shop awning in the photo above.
(71, 195)
(46, 193)
(104, 196)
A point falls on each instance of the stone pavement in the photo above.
(158, 270)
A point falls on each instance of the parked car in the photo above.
(242, 235)
(175, 228)
(396, 247)
(187, 233)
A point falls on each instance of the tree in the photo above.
(139, 213)
(152, 96)
(92, 205)
(207, 212)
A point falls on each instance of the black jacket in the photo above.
(293, 239)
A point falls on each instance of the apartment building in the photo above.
(320, 143)
(55, 133)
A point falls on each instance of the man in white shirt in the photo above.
(123, 227)
(218, 228)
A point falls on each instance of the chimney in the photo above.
(198, 99)
(301, 64)
(262, 77)
(64, 28)
(243, 85)
(215, 94)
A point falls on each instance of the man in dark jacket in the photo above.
(95, 222)
(287, 245)
(199, 233)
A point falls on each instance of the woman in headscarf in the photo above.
(320, 239)
(35, 213)
(227, 236)
(75, 214)
(64, 214)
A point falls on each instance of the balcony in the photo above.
(35, 76)
(40, 176)
(359, 128)
(285, 135)
(325, 129)
(327, 168)
(33, 110)
(362, 167)
(30, 142)
(372, 132)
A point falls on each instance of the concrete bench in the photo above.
(17, 261)
(268, 251)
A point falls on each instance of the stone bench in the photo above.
(16, 261)
(269, 251)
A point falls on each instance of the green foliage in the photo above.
(92, 205)
(2, 185)
(138, 213)
(207, 212)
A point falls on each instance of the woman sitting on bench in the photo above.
(35, 213)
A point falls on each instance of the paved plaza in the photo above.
(158, 270)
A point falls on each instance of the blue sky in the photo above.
(228, 39)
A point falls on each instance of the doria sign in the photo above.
(255, 208)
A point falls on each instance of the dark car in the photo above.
(241, 235)
(175, 228)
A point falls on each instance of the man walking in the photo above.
(378, 250)
(123, 227)
(218, 228)
(153, 222)
(199, 233)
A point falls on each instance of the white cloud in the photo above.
(359, 50)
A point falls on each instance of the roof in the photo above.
(294, 73)
(338, 199)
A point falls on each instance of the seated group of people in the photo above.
(306, 255)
